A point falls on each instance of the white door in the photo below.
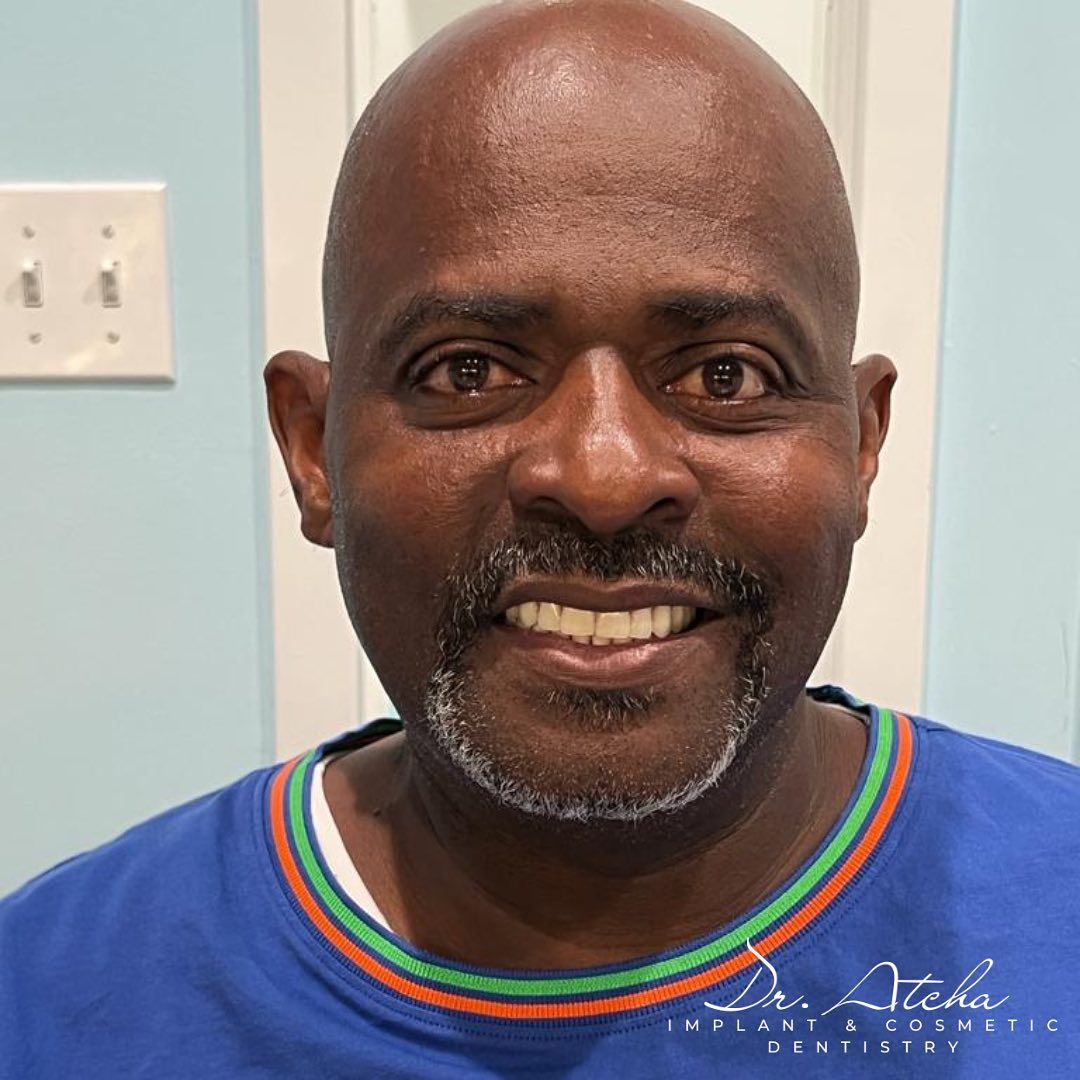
(319, 65)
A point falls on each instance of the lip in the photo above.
(602, 597)
(638, 663)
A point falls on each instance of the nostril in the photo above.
(666, 509)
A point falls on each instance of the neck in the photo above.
(514, 892)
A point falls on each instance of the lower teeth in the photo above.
(581, 640)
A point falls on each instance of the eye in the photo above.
(722, 378)
(468, 373)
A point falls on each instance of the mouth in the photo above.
(605, 628)
(591, 636)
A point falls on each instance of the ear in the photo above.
(875, 377)
(297, 390)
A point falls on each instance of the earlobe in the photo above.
(875, 377)
(297, 392)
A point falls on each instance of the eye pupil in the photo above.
(468, 372)
(723, 377)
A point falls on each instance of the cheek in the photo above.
(789, 502)
(790, 508)
(413, 504)
(429, 495)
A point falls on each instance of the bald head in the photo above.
(617, 105)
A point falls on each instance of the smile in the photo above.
(603, 628)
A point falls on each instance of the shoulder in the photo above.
(119, 907)
(989, 862)
(123, 952)
(998, 796)
(165, 844)
(984, 760)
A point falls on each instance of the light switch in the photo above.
(110, 283)
(84, 283)
(33, 289)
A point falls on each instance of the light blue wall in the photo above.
(134, 662)
(1003, 649)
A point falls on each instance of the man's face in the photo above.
(589, 357)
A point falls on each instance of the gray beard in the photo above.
(457, 716)
(452, 712)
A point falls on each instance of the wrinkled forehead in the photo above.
(575, 160)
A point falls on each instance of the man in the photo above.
(593, 457)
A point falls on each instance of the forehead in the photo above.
(564, 173)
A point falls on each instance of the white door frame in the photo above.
(320, 63)
(304, 121)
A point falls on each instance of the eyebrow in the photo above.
(684, 310)
(500, 311)
(698, 310)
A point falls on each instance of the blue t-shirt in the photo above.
(932, 933)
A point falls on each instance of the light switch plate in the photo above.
(84, 283)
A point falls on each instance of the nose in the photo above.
(602, 453)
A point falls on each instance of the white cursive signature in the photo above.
(882, 994)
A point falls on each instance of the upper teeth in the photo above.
(601, 627)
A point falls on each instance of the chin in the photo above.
(586, 755)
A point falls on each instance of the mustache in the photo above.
(472, 590)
